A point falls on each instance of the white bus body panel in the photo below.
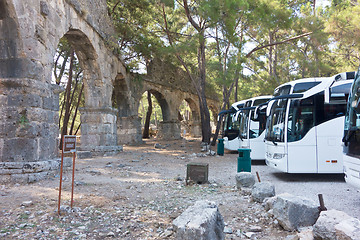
(257, 146)
(277, 150)
(232, 145)
(352, 170)
(296, 157)
(301, 155)
(329, 135)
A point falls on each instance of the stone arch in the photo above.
(164, 105)
(169, 128)
(88, 61)
(98, 118)
(128, 121)
(194, 124)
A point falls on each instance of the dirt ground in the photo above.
(133, 195)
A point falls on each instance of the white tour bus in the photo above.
(243, 129)
(231, 125)
(305, 125)
(252, 119)
(352, 135)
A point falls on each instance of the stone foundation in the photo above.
(195, 129)
(98, 132)
(28, 120)
(129, 130)
(169, 130)
(28, 172)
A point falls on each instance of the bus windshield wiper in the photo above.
(275, 143)
(241, 138)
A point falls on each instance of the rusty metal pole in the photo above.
(61, 171)
(72, 184)
(322, 205)
(258, 176)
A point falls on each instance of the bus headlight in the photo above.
(278, 155)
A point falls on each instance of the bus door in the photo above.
(330, 129)
(301, 136)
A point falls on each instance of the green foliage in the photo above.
(233, 28)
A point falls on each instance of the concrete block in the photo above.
(324, 228)
(262, 190)
(294, 212)
(348, 229)
(244, 179)
(201, 221)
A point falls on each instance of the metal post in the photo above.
(72, 185)
(61, 171)
(258, 176)
(322, 205)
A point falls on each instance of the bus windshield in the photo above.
(231, 126)
(243, 123)
(352, 120)
(276, 121)
(301, 118)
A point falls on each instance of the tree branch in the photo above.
(277, 43)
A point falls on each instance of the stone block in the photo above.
(262, 190)
(324, 228)
(202, 221)
(244, 179)
(25, 100)
(348, 229)
(12, 151)
(294, 212)
(83, 154)
(51, 103)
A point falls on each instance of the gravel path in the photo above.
(138, 193)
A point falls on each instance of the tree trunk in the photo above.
(67, 99)
(204, 110)
(76, 109)
(148, 115)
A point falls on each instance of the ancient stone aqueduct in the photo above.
(29, 103)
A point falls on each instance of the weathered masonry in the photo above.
(29, 103)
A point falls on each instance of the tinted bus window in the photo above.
(302, 87)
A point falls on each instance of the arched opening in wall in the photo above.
(75, 69)
(185, 118)
(189, 118)
(151, 108)
(120, 97)
(68, 73)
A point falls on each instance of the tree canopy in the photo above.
(241, 48)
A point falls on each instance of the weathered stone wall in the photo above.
(29, 103)
(29, 34)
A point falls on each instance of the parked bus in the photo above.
(305, 125)
(231, 125)
(244, 128)
(351, 137)
(252, 126)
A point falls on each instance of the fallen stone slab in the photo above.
(244, 179)
(294, 212)
(262, 190)
(202, 221)
(348, 229)
(324, 228)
